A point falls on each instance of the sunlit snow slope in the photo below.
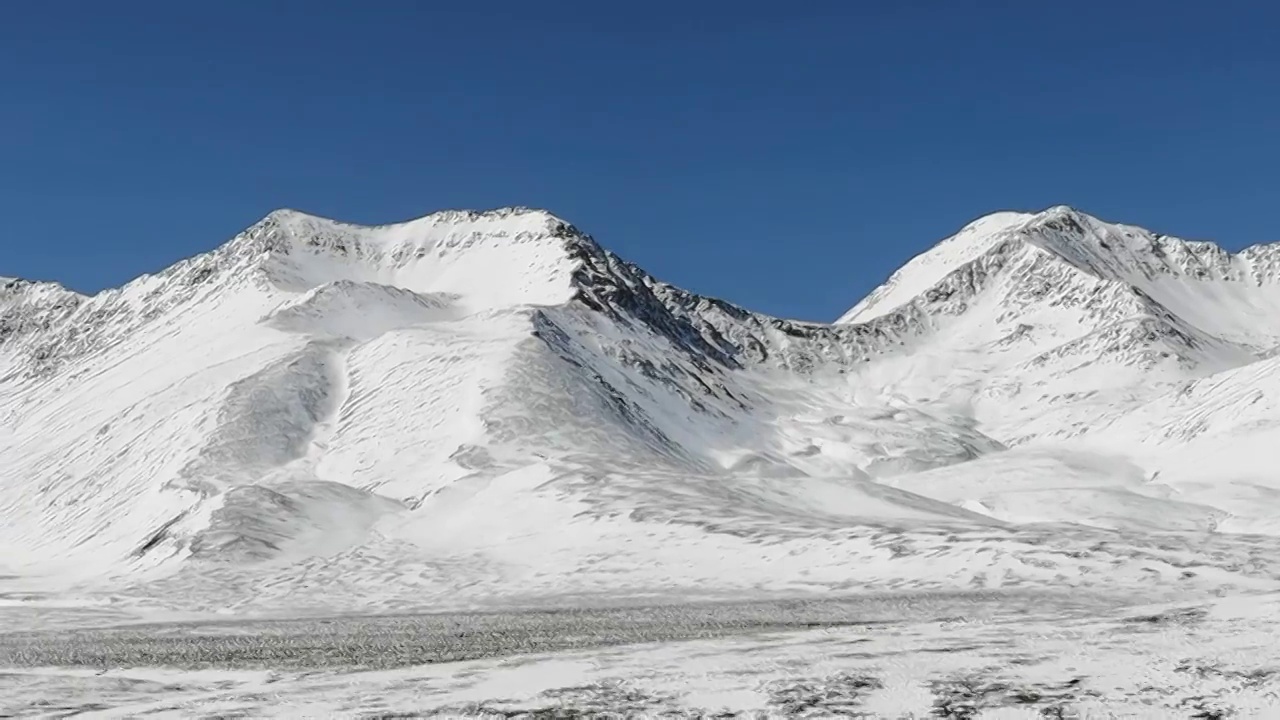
(491, 403)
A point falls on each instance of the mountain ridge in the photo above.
(316, 392)
(1264, 258)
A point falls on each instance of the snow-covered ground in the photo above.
(489, 411)
(949, 657)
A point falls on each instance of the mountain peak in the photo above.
(929, 268)
(491, 258)
(1109, 251)
(1064, 253)
(1059, 212)
(12, 288)
(511, 220)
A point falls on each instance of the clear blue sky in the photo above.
(786, 155)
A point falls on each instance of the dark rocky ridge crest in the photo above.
(712, 333)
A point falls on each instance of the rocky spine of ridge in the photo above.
(50, 327)
(1059, 256)
(44, 328)
(1038, 257)
(710, 332)
(29, 312)
(30, 307)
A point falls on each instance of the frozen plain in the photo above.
(333, 470)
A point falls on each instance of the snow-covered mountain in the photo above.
(489, 404)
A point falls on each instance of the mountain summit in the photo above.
(492, 403)
(1228, 297)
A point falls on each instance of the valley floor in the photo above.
(951, 655)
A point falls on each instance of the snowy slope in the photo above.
(476, 405)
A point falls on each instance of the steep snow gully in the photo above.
(479, 407)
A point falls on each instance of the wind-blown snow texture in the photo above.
(487, 408)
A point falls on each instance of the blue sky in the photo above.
(785, 156)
